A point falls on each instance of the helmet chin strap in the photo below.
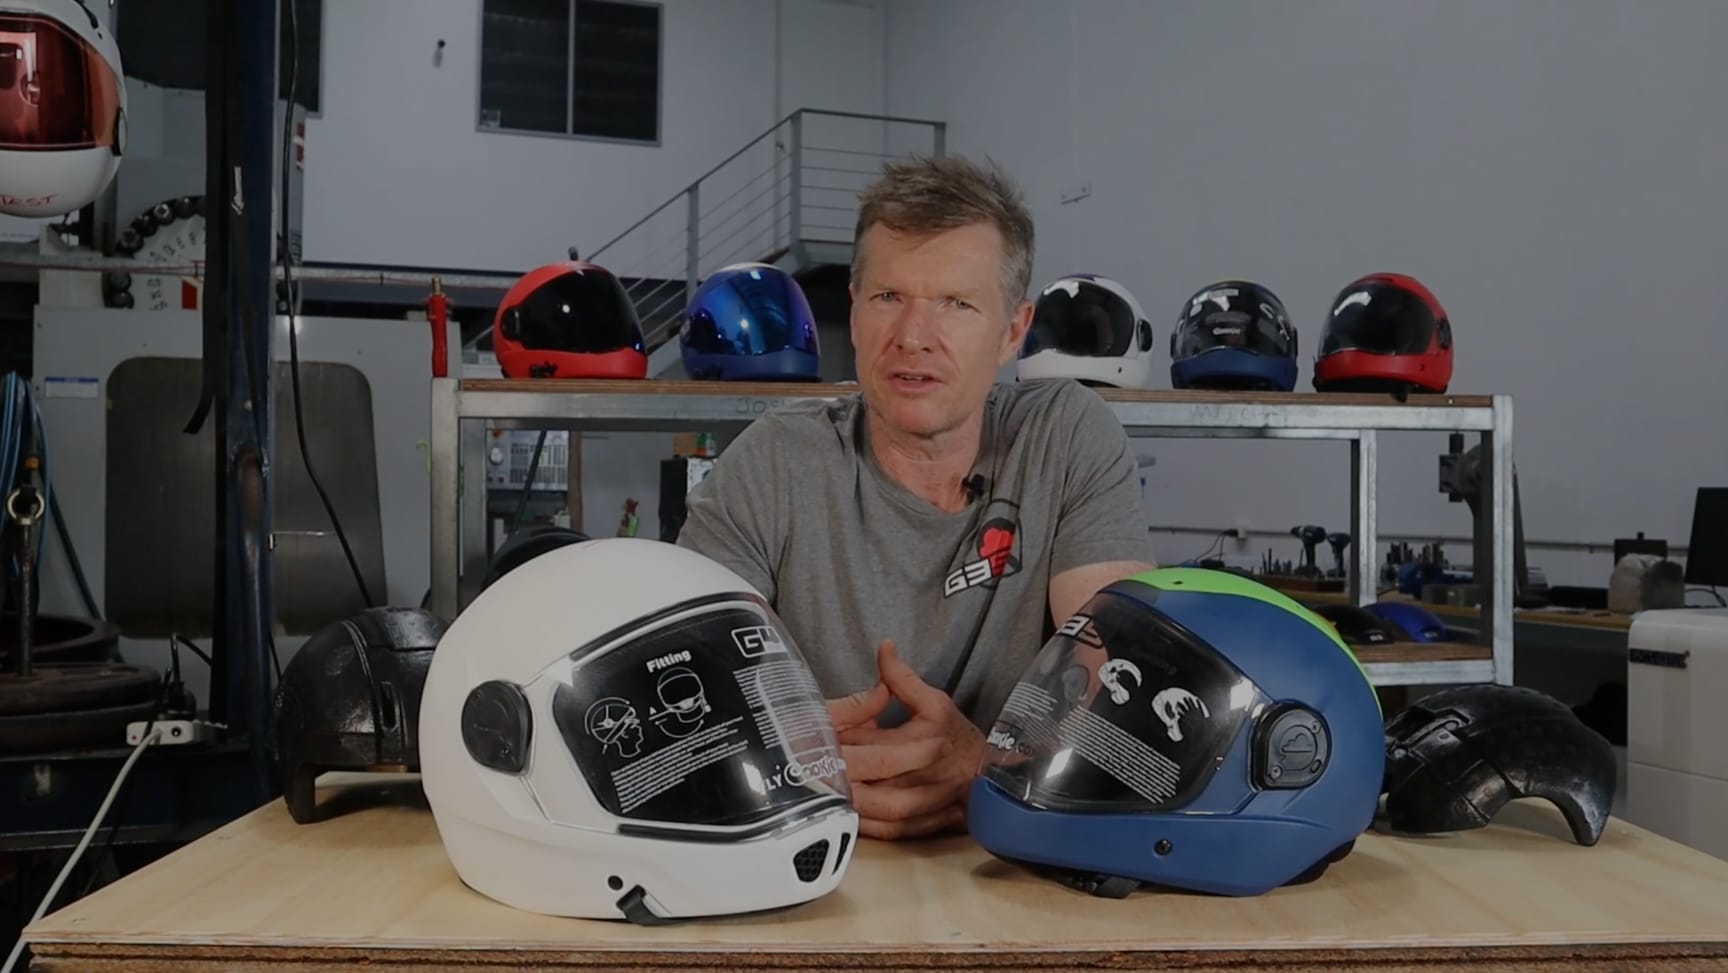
(634, 905)
(1092, 883)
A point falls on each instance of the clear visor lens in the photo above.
(1379, 319)
(1233, 317)
(1080, 318)
(1120, 711)
(710, 717)
(56, 92)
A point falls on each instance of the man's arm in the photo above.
(737, 514)
(1101, 536)
(1071, 589)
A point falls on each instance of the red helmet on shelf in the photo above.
(1385, 333)
(570, 319)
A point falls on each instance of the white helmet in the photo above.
(62, 107)
(1088, 328)
(623, 728)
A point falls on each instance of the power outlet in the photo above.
(172, 733)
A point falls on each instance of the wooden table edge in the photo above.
(1620, 956)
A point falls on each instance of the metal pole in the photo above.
(86, 262)
(1364, 512)
(1497, 525)
(446, 481)
(248, 420)
(693, 242)
(941, 138)
(795, 193)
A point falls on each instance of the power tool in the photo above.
(1339, 542)
(1310, 536)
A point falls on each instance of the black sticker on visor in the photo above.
(1121, 710)
(711, 718)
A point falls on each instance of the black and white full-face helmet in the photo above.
(623, 728)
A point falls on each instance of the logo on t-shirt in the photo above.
(994, 555)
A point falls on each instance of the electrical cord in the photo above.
(528, 483)
(170, 679)
(293, 301)
(150, 737)
(1216, 545)
(175, 638)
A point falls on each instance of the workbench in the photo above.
(372, 885)
(1470, 617)
(1570, 654)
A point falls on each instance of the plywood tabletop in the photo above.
(373, 885)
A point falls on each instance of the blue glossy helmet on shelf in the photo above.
(750, 322)
(1420, 624)
(1234, 335)
(1188, 729)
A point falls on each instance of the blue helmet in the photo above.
(1420, 624)
(1234, 335)
(1187, 728)
(750, 322)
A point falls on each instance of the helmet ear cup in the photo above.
(497, 726)
(1292, 747)
(1144, 331)
(1445, 331)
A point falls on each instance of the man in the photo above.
(938, 516)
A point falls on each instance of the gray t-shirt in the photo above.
(800, 508)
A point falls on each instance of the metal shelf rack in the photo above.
(462, 408)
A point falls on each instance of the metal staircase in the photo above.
(786, 197)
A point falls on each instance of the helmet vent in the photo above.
(840, 859)
(809, 861)
(389, 709)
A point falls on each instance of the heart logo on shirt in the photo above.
(992, 555)
(995, 545)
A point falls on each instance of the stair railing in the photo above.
(794, 184)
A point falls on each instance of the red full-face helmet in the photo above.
(1385, 333)
(570, 319)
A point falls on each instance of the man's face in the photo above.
(931, 326)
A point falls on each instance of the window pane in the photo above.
(524, 64)
(616, 89)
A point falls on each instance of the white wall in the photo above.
(1552, 170)
(832, 57)
(398, 173)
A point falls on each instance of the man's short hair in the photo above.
(925, 194)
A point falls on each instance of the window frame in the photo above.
(570, 83)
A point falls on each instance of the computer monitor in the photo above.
(1707, 551)
(1639, 545)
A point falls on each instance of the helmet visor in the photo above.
(1233, 317)
(580, 311)
(1121, 711)
(1378, 318)
(56, 91)
(751, 312)
(707, 715)
(1080, 318)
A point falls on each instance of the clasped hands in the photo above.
(909, 780)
